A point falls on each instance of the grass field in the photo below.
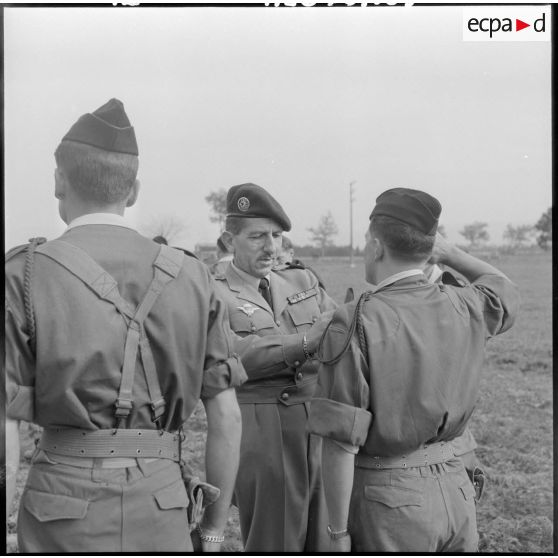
(512, 422)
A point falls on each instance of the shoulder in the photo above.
(296, 276)
(15, 251)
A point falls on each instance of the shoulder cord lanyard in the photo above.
(356, 324)
(27, 293)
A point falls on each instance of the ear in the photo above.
(227, 238)
(60, 184)
(133, 195)
(379, 249)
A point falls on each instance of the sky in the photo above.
(302, 101)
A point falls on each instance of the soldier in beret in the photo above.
(398, 382)
(111, 340)
(276, 314)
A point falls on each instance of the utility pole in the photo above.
(351, 200)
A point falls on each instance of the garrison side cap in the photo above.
(413, 207)
(107, 128)
(251, 200)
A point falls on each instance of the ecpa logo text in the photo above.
(493, 25)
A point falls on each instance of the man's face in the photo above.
(369, 258)
(256, 246)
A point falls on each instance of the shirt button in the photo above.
(253, 328)
(278, 322)
(314, 319)
(299, 376)
(297, 363)
(285, 396)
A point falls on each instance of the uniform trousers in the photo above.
(72, 509)
(419, 509)
(279, 490)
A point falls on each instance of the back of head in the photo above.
(99, 155)
(406, 220)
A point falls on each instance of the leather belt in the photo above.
(431, 454)
(121, 443)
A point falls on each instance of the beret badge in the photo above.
(243, 203)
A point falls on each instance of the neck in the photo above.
(388, 268)
(78, 208)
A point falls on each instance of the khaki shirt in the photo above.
(73, 379)
(418, 380)
(270, 341)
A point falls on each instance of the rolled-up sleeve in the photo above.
(341, 408)
(20, 367)
(500, 301)
(223, 368)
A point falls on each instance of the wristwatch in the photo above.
(336, 535)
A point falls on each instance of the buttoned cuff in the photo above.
(222, 376)
(293, 352)
(339, 421)
(21, 403)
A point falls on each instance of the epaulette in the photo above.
(22, 248)
(15, 251)
(187, 252)
(449, 278)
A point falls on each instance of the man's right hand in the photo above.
(314, 334)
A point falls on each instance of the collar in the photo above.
(247, 278)
(100, 219)
(396, 277)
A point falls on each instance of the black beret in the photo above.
(413, 207)
(251, 200)
(107, 128)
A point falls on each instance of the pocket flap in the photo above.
(393, 496)
(173, 496)
(45, 506)
(302, 312)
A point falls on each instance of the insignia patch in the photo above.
(243, 203)
(248, 309)
(298, 297)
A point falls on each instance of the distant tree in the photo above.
(517, 236)
(218, 203)
(475, 233)
(544, 228)
(322, 234)
(168, 226)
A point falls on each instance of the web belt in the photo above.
(111, 443)
(432, 454)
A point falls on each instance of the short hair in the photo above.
(404, 242)
(286, 243)
(95, 174)
(234, 224)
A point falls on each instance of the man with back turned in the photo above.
(399, 380)
(111, 340)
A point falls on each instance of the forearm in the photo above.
(466, 264)
(338, 474)
(12, 460)
(265, 356)
(221, 457)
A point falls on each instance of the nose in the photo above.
(269, 245)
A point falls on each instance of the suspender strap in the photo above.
(166, 267)
(80, 264)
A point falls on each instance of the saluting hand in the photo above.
(441, 250)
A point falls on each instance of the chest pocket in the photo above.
(256, 321)
(304, 313)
